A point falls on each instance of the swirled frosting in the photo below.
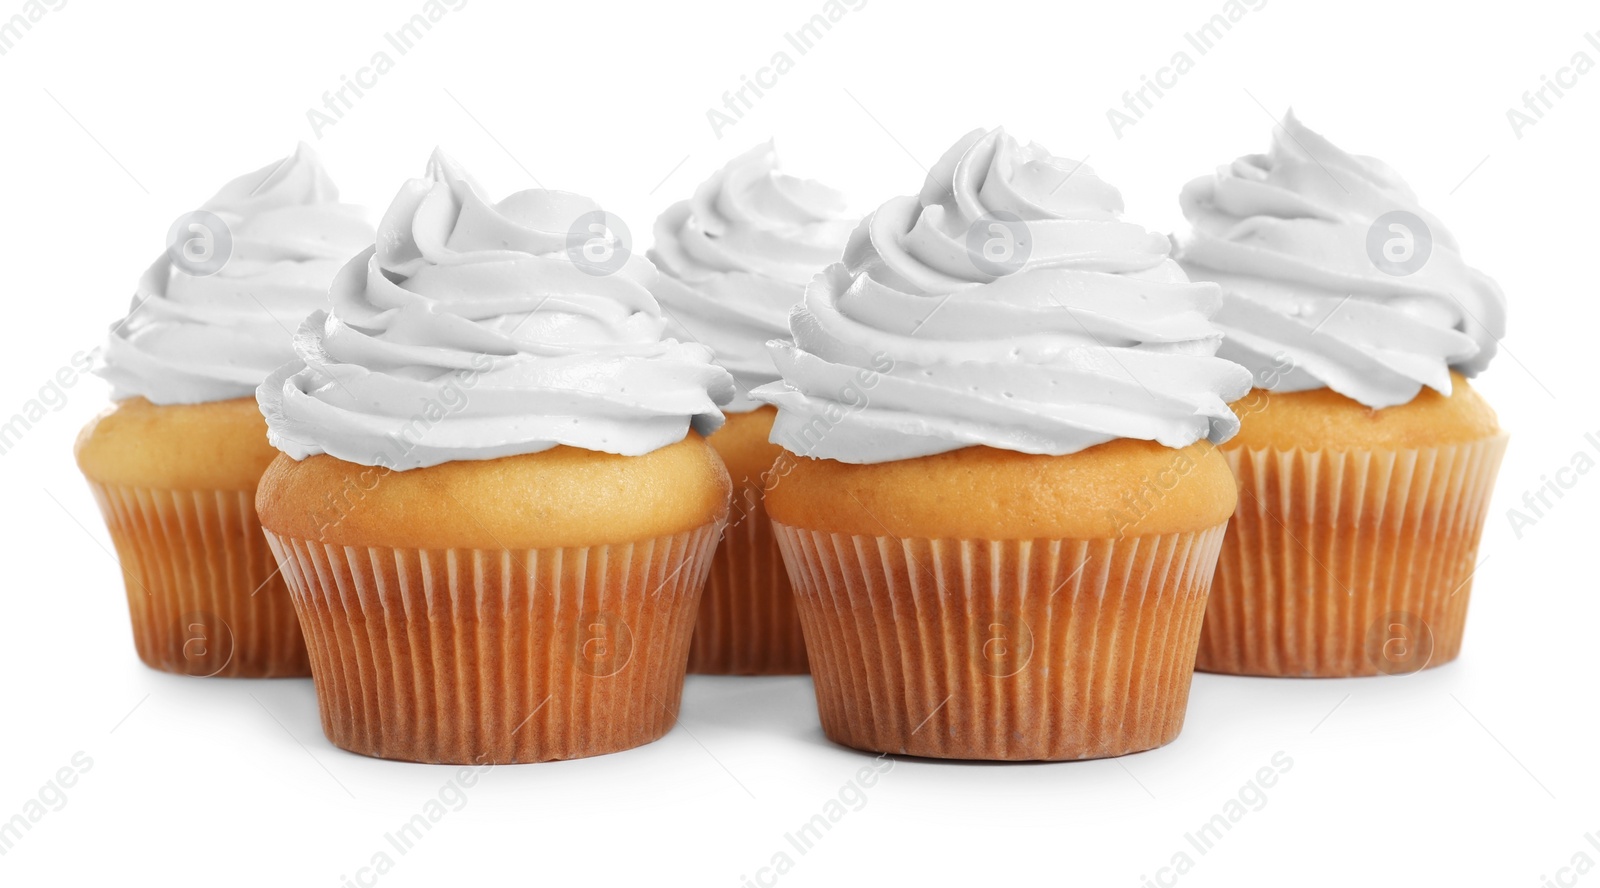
(196, 337)
(1291, 235)
(1005, 305)
(736, 257)
(475, 330)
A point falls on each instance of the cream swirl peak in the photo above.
(736, 257)
(475, 330)
(208, 320)
(1006, 305)
(1328, 265)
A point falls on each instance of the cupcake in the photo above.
(495, 506)
(174, 463)
(734, 260)
(1366, 461)
(973, 397)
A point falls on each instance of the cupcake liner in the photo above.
(204, 593)
(1346, 563)
(1023, 649)
(476, 656)
(747, 623)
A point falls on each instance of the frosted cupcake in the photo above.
(981, 391)
(1366, 461)
(175, 462)
(734, 260)
(495, 508)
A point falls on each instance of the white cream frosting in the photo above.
(472, 331)
(736, 257)
(1287, 233)
(196, 337)
(1006, 305)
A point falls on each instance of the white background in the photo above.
(119, 117)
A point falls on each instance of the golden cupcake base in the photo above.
(748, 624)
(176, 484)
(204, 593)
(1003, 650)
(1348, 563)
(479, 656)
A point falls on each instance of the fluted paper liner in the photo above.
(204, 593)
(1346, 563)
(1023, 649)
(497, 656)
(747, 623)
